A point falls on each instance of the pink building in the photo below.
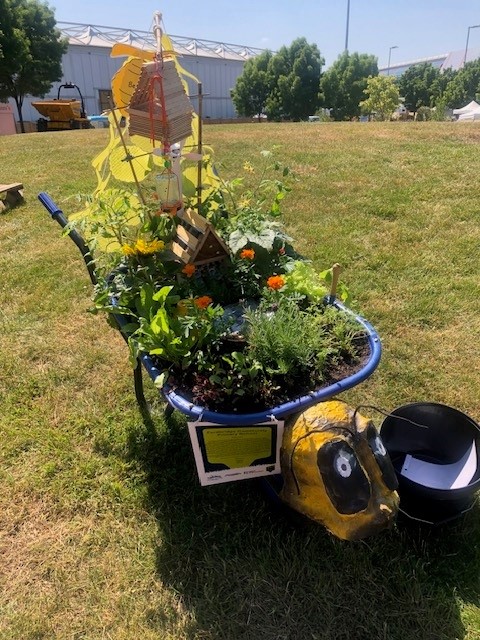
(7, 120)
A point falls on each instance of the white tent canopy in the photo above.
(468, 107)
(471, 111)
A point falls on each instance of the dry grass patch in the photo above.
(64, 580)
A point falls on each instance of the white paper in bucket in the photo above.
(442, 476)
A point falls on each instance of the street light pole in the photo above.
(475, 26)
(389, 57)
(348, 22)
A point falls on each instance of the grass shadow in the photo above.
(244, 570)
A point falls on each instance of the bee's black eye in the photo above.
(382, 458)
(345, 482)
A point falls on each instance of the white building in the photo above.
(88, 65)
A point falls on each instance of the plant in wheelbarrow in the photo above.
(239, 334)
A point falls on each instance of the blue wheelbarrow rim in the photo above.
(196, 412)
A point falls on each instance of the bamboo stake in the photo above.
(200, 133)
(336, 270)
(128, 157)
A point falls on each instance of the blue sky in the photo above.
(419, 29)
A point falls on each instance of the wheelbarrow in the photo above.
(272, 463)
(194, 412)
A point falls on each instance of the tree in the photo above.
(31, 50)
(465, 85)
(343, 84)
(296, 72)
(253, 86)
(382, 97)
(416, 85)
(284, 85)
(439, 86)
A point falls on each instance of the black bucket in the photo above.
(438, 439)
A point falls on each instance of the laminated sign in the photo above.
(226, 453)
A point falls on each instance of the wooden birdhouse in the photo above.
(159, 107)
(196, 240)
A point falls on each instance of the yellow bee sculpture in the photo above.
(337, 471)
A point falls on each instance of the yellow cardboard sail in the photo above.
(132, 159)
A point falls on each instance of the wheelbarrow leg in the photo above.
(139, 394)
(168, 410)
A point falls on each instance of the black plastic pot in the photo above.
(437, 434)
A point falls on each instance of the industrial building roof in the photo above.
(453, 60)
(100, 36)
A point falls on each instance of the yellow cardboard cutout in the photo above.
(130, 160)
(125, 81)
(113, 162)
(130, 163)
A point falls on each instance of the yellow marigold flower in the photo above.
(248, 167)
(189, 270)
(275, 282)
(203, 302)
(248, 254)
(145, 247)
(128, 250)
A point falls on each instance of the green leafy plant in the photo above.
(176, 313)
(172, 329)
(298, 344)
(245, 209)
(227, 377)
(117, 223)
(302, 278)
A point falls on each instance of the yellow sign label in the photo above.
(237, 447)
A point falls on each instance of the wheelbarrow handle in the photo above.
(58, 215)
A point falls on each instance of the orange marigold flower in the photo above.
(248, 254)
(275, 282)
(203, 302)
(189, 270)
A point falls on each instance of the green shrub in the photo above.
(291, 342)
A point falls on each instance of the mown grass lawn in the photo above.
(104, 530)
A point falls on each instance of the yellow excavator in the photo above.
(60, 114)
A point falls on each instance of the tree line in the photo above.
(286, 85)
(290, 85)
